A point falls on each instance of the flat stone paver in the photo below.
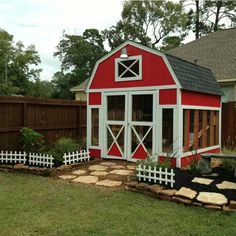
(131, 167)
(186, 192)
(202, 181)
(98, 167)
(107, 163)
(226, 185)
(79, 172)
(87, 179)
(118, 167)
(99, 173)
(121, 172)
(67, 176)
(109, 183)
(212, 198)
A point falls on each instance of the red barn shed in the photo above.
(142, 102)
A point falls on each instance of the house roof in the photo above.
(187, 75)
(193, 77)
(216, 51)
(80, 87)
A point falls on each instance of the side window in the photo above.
(95, 126)
(128, 69)
(167, 129)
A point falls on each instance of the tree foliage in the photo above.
(17, 65)
(210, 16)
(78, 55)
(148, 22)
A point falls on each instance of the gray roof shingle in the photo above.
(193, 77)
(216, 51)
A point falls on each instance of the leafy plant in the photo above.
(63, 145)
(228, 164)
(194, 166)
(32, 141)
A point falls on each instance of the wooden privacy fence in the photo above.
(52, 118)
(229, 124)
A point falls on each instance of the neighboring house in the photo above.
(79, 90)
(142, 102)
(216, 51)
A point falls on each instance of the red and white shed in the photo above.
(142, 102)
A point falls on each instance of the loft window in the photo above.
(128, 69)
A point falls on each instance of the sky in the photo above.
(41, 22)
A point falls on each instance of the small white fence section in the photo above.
(12, 157)
(41, 159)
(154, 174)
(74, 157)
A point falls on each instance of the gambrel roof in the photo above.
(188, 76)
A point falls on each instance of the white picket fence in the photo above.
(12, 157)
(41, 159)
(156, 175)
(74, 157)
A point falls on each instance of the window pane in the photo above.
(128, 68)
(167, 130)
(116, 107)
(142, 107)
(95, 126)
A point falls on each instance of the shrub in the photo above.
(32, 141)
(228, 164)
(63, 145)
(193, 167)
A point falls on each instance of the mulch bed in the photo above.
(183, 178)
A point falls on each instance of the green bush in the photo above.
(31, 140)
(193, 167)
(63, 145)
(228, 164)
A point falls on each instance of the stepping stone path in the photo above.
(118, 167)
(202, 181)
(67, 176)
(109, 183)
(226, 185)
(121, 172)
(79, 172)
(186, 192)
(106, 163)
(98, 167)
(87, 179)
(131, 167)
(212, 198)
(99, 173)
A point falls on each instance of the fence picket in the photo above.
(157, 175)
(74, 157)
(12, 157)
(41, 159)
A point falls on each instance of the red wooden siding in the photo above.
(185, 161)
(154, 71)
(199, 99)
(167, 97)
(94, 152)
(95, 99)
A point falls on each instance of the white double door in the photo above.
(129, 128)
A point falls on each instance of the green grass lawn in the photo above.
(32, 205)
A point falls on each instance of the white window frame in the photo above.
(138, 77)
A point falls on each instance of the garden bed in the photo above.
(184, 178)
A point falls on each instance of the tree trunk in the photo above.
(218, 7)
(197, 19)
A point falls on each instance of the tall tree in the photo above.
(148, 22)
(18, 65)
(78, 55)
(210, 16)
